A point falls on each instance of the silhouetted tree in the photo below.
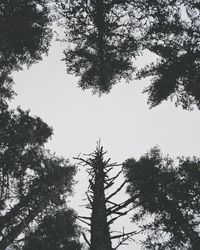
(25, 35)
(168, 199)
(32, 180)
(104, 209)
(101, 42)
(105, 36)
(24, 32)
(174, 35)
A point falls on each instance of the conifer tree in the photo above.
(32, 180)
(104, 209)
(168, 195)
(24, 32)
(105, 37)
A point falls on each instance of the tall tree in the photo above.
(167, 201)
(101, 42)
(101, 198)
(32, 180)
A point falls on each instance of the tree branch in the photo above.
(114, 193)
(86, 240)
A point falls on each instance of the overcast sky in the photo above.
(121, 119)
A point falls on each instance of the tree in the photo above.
(106, 35)
(174, 35)
(25, 35)
(24, 32)
(102, 46)
(167, 195)
(6, 91)
(32, 181)
(104, 209)
(57, 231)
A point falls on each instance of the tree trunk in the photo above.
(100, 235)
(15, 232)
(9, 217)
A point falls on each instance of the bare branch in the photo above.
(84, 217)
(78, 218)
(125, 234)
(114, 193)
(86, 240)
(125, 203)
(83, 160)
(88, 198)
(124, 237)
(116, 176)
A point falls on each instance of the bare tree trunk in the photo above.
(100, 235)
(104, 211)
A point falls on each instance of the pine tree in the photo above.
(105, 36)
(168, 195)
(101, 46)
(104, 210)
(32, 180)
(24, 32)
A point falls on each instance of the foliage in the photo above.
(168, 196)
(24, 32)
(174, 35)
(106, 35)
(101, 46)
(32, 181)
(57, 231)
(25, 36)
(6, 91)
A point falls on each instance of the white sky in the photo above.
(121, 119)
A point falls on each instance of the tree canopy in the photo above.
(174, 35)
(168, 195)
(24, 32)
(32, 180)
(104, 36)
(102, 46)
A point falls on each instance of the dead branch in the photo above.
(86, 240)
(125, 234)
(114, 193)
